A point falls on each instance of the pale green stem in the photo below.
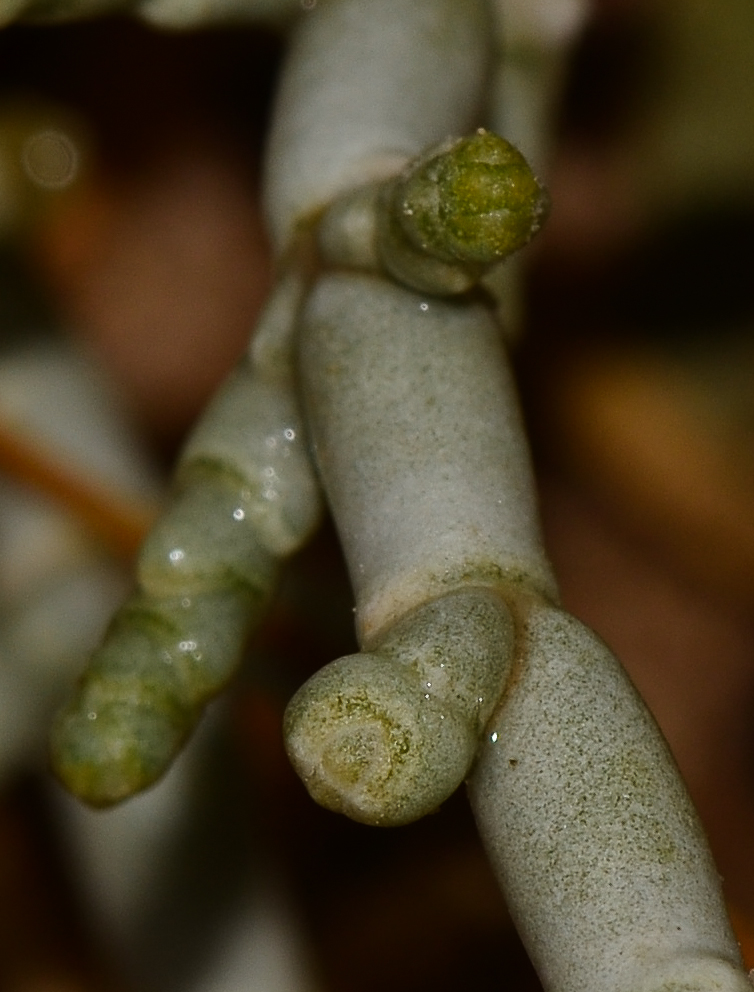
(245, 497)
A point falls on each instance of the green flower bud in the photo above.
(471, 200)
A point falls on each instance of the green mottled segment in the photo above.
(366, 743)
(146, 687)
(251, 443)
(126, 723)
(459, 646)
(197, 638)
(246, 495)
(170, 649)
(209, 537)
(105, 755)
(386, 736)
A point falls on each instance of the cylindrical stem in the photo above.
(420, 445)
(368, 84)
(590, 830)
(246, 496)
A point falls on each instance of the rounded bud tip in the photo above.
(474, 200)
(107, 754)
(367, 742)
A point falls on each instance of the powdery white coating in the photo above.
(420, 445)
(401, 74)
(387, 735)
(590, 831)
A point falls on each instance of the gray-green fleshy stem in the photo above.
(590, 831)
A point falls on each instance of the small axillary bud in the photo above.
(471, 200)
(457, 210)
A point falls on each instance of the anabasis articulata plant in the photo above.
(378, 381)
